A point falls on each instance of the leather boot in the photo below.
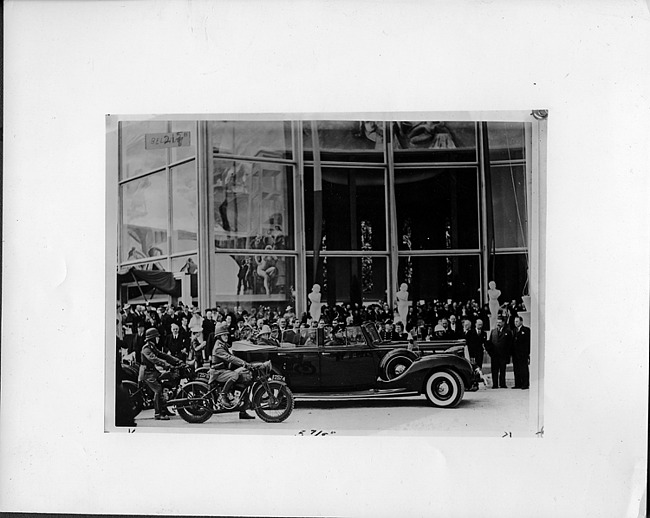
(227, 399)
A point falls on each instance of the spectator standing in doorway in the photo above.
(521, 354)
(500, 346)
(478, 343)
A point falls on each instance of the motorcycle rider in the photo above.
(150, 357)
(220, 362)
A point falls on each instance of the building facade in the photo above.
(255, 213)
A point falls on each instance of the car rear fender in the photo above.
(416, 375)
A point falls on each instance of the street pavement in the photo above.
(488, 412)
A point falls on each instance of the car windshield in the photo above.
(372, 331)
(354, 335)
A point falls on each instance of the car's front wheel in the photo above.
(444, 389)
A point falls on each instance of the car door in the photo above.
(300, 364)
(348, 367)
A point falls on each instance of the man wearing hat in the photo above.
(264, 337)
(289, 313)
(220, 363)
(439, 332)
(150, 357)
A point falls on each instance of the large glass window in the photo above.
(184, 208)
(346, 141)
(253, 279)
(509, 205)
(252, 174)
(434, 141)
(135, 158)
(437, 209)
(180, 153)
(189, 265)
(353, 209)
(510, 272)
(252, 205)
(441, 278)
(506, 140)
(270, 139)
(349, 279)
(144, 217)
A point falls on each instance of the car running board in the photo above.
(364, 394)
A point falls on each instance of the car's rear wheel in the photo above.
(444, 389)
(396, 366)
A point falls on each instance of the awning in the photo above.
(163, 281)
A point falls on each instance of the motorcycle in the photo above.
(141, 395)
(269, 397)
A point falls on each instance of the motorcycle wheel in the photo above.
(277, 412)
(135, 397)
(196, 413)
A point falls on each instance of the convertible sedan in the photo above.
(355, 363)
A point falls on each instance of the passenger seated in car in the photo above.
(245, 332)
(440, 332)
(338, 336)
(292, 336)
(386, 333)
(275, 333)
(399, 333)
(264, 337)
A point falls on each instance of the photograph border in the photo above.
(536, 192)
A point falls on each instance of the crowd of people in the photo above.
(182, 325)
(187, 334)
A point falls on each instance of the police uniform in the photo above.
(150, 357)
(221, 361)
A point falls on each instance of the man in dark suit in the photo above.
(521, 354)
(185, 328)
(386, 334)
(137, 341)
(208, 325)
(455, 330)
(475, 339)
(499, 349)
(176, 343)
(292, 335)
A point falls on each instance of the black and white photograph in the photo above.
(325, 258)
(327, 276)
